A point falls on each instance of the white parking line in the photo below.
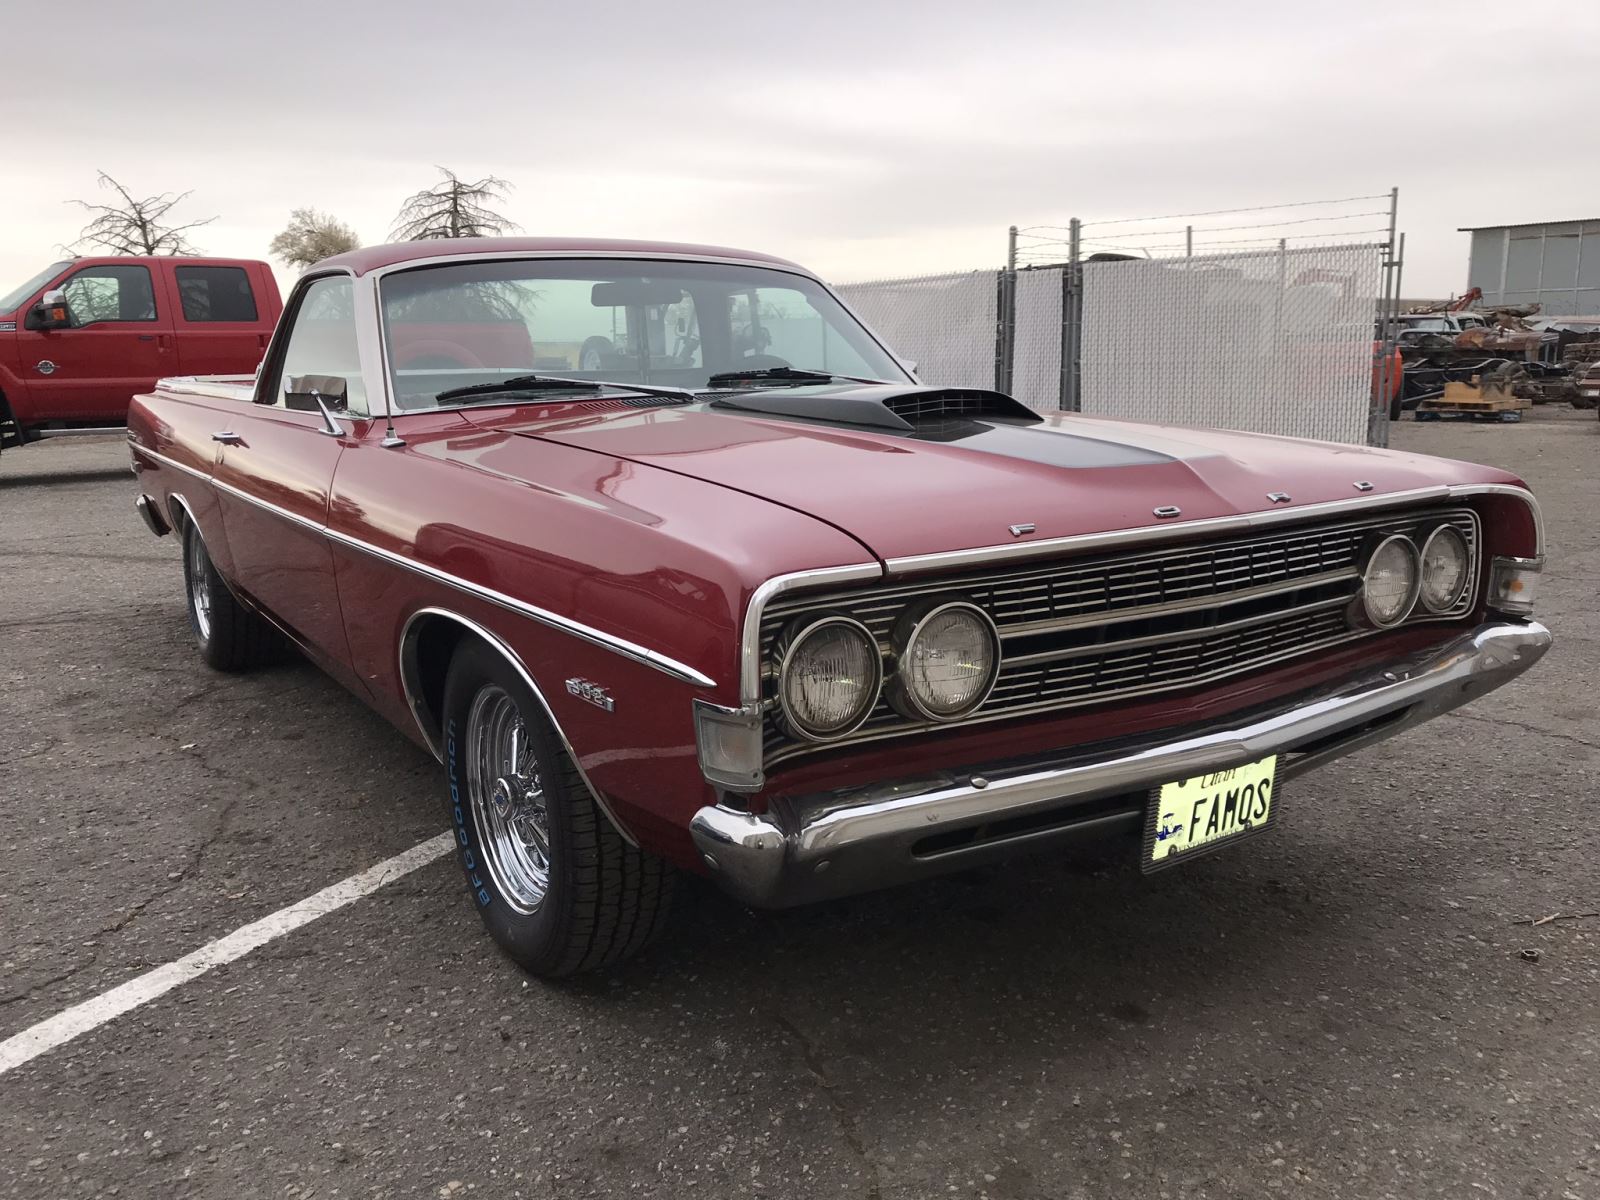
(81, 1018)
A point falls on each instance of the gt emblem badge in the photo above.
(592, 692)
(1019, 530)
(1279, 497)
(45, 367)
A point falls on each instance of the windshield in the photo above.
(627, 321)
(1427, 324)
(13, 298)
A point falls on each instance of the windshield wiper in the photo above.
(529, 384)
(783, 375)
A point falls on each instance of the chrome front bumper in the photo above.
(813, 847)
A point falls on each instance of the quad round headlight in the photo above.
(1390, 582)
(829, 676)
(1445, 562)
(949, 657)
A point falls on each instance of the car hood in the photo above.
(960, 484)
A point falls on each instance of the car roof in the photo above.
(373, 258)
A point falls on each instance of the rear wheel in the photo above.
(553, 881)
(230, 636)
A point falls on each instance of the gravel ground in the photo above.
(1340, 1008)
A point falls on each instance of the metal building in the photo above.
(1555, 264)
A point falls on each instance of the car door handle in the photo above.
(228, 438)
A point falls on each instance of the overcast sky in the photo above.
(859, 137)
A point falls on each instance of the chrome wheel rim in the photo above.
(199, 594)
(508, 800)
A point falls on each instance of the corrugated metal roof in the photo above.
(1528, 224)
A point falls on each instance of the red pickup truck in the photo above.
(85, 335)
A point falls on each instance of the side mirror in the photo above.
(313, 393)
(52, 312)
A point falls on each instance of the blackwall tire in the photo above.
(229, 635)
(553, 881)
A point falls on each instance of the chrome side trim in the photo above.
(617, 645)
(267, 505)
(412, 687)
(807, 848)
(167, 462)
(650, 658)
(750, 640)
(1010, 551)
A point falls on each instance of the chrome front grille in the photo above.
(1113, 627)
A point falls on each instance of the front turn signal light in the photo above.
(729, 744)
(1514, 584)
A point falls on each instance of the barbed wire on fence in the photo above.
(1347, 221)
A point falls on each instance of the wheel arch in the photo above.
(181, 515)
(427, 644)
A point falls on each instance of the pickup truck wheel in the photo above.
(554, 882)
(230, 636)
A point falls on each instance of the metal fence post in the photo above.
(1005, 341)
(1388, 327)
(1072, 321)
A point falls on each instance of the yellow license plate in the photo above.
(1198, 814)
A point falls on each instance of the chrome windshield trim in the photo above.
(375, 278)
(1011, 551)
(411, 685)
(617, 645)
(410, 264)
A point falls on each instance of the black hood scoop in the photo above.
(973, 419)
(895, 407)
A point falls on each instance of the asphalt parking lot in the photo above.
(1339, 1008)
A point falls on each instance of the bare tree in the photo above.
(137, 226)
(312, 236)
(454, 209)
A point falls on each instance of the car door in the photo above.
(119, 344)
(275, 469)
(216, 319)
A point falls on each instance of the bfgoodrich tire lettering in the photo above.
(573, 895)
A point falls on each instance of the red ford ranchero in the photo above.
(675, 566)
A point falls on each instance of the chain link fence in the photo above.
(947, 324)
(1272, 332)
(1277, 342)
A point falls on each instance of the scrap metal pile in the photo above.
(1508, 356)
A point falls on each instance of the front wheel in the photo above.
(553, 881)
